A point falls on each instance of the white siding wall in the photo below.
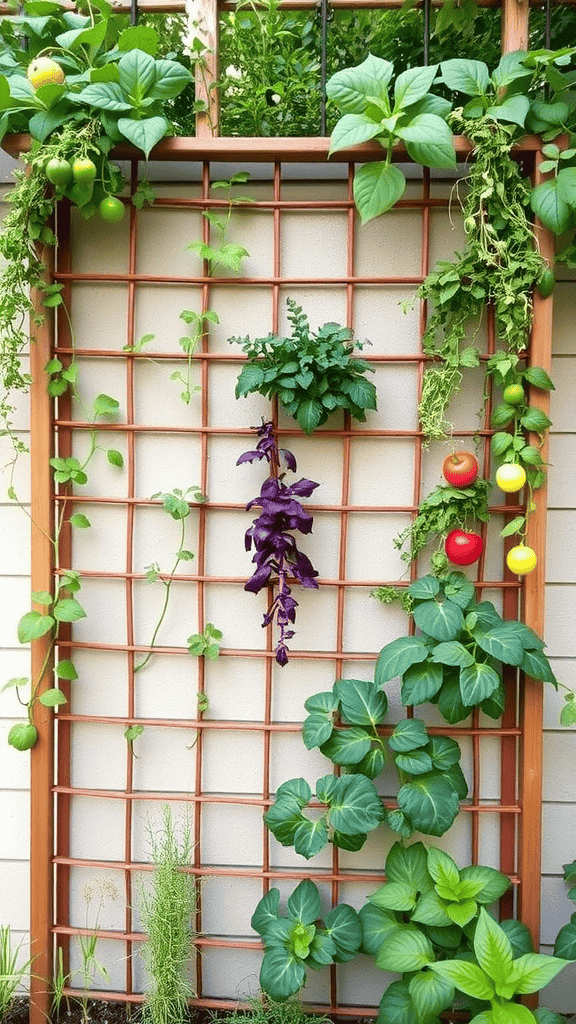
(164, 462)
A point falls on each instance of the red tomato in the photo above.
(460, 469)
(463, 548)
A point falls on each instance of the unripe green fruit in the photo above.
(22, 736)
(45, 71)
(58, 171)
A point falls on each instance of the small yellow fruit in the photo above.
(510, 477)
(514, 394)
(45, 71)
(521, 560)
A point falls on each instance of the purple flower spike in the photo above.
(275, 550)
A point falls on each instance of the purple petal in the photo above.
(282, 654)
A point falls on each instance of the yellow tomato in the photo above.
(513, 394)
(45, 71)
(521, 559)
(510, 477)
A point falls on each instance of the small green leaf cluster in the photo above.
(424, 912)
(565, 944)
(444, 509)
(553, 113)
(455, 662)
(227, 255)
(300, 939)
(207, 643)
(494, 975)
(511, 446)
(13, 970)
(312, 374)
(414, 116)
(428, 768)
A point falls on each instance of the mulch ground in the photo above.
(99, 1013)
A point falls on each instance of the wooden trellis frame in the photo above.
(525, 809)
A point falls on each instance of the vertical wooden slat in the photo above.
(203, 23)
(42, 755)
(514, 25)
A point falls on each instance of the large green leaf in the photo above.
(519, 935)
(424, 588)
(143, 134)
(534, 970)
(137, 71)
(377, 187)
(304, 904)
(493, 950)
(408, 735)
(266, 911)
(565, 945)
(477, 682)
(352, 88)
(442, 620)
(345, 929)
(68, 609)
(429, 141)
(310, 837)
(282, 974)
(376, 925)
(45, 121)
(396, 1006)
(494, 883)
(415, 762)
(412, 85)
(468, 76)
(394, 896)
(361, 701)
(444, 752)
(296, 788)
(502, 643)
(510, 1013)
(353, 801)
(431, 910)
(545, 1016)
(512, 109)
(421, 682)
(323, 703)
(353, 129)
(33, 625)
(430, 803)
(467, 977)
(444, 871)
(550, 205)
(317, 729)
(347, 746)
(409, 864)
(430, 993)
(283, 819)
(450, 704)
(309, 414)
(103, 96)
(536, 665)
(398, 656)
(322, 950)
(361, 392)
(405, 949)
(372, 764)
(171, 79)
(452, 653)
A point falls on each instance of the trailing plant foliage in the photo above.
(312, 374)
(565, 944)
(300, 939)
(514, 412)
(456, 661)
(276, 551)
(444, 509)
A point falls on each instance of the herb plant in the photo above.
(276, 552)
(312, 374)
(455, 661)
(207, 643)
(12, 973)
(298, 939)
(444, 509)
(103, 889)
(166, 910)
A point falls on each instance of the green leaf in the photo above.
(115, 458)
(317, 729)
(19, 681)
(361, 702)
(417, 762)
(45, 121)
(282, 974)
(171, 79)
(405, 949)
(430, 803)
(477, 682)
(353, 801)
(408, 735)
(33, 625)
(468, 76)
(440, 620)
(103, 96)
(362, 393)
(353, 88)
(538, 377)
(377, 187)
(424, 588)
(421, 682)
(266, 911)
(430, 994)
(536, 420)
(494, 883)
(347, 746)
(398, 656)
(565, 945)
(444, 752)
(429, 141)
(501, 442)
(249, 380)
(66, 670)
(304, 904)
(409, 864)
(353, 129)
(399, 896)
(468, 978)
(452, 653)
(513, 526)
(52, 698)
(396, 1006)
(104, 405)
(545, 1016)
(412, 85)
(450, 703)
(510, 1013)
(502, 642)
(534, 970)
(519, 935)
(137, 71)
(430, 910)
(345, 929)
(549, 204)
(139, 37)
(79, 521)
(143, 134)
(512, 109)
(283, 819)
(68, 609)
(376, 925)
(444, 871)
(309, 415)
(493, 949)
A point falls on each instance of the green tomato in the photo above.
(111, 209)
(84, 170)
(58, 171)
(546, 283)
(22, 736)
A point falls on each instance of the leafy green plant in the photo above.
(12, 973)
(494, 975)
(312, 374)
(299, 939)
(177, 504)
(444, 509)
(267, 1011)
(413, 116)
(455, 661)
(565, 944)
(166, 910)
(198, 322)
(228, 255)
(207, 643)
